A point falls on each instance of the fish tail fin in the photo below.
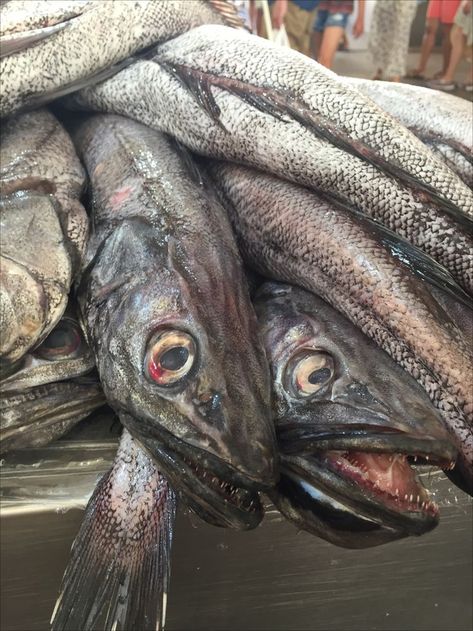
(118, 574)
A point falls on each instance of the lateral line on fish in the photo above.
(277, 104)
(453, 144)
(418, 262)
(16, 42)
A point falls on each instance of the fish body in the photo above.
(49, 390)
(288, 233)
(347, 419)
(439, 119)
(43, 229)
(118, 575)
(50, 49)
(167, 312)
(210, 86)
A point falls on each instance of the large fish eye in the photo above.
(170, 357)
(309, 372)
(63, 341)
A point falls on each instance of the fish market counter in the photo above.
(271, 578)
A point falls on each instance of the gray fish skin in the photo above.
(43, 232)
(288, 233)
(49, 390)
(162, 261)
(318, 123)
(343, 477)
(441, 120)
(118, 575)
(98, 36)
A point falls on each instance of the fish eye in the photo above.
(170, 357)
(309, 372)
(64, 341)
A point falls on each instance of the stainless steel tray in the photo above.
(273, 578)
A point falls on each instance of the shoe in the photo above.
(468, 87)
(440, 84)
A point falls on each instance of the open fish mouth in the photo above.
(359, 497)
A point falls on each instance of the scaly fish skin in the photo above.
(49, 390)
(339, 399)
(288, 233)
(118, 574)
(97, 36)
(163, 282)
(43, 229)
(233, 96)
(440, 120)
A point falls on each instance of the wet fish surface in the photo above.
(210, 86)
(50, 49)
(167, 313)
(288, 233)
(43, 232)
(350, 423)
(118, 575)
(439, 119)
(49, 390)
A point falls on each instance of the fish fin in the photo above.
(282, 105)
(118, 575)
(188, 159)
(16, 42)
(228, 12)
(431, 139)
(200, 90)
(417, 261)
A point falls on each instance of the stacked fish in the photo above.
(348, 362)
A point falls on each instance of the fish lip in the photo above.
(316, 471)
(370, 439)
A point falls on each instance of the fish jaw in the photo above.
(37, 416)
(205, 483)
(354, 499)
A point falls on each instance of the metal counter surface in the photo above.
(274, 578)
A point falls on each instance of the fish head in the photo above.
(63, 355)
(349, 423)
(186, 370)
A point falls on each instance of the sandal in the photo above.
(414, 74)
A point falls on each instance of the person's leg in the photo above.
(401, 17)
(315, 42)
(446, 47)
(318, 32)
(295, 25)
(330, 41)
(334, 28)
(458, 41)
(428, 41)
(309, 19)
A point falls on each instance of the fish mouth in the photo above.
(360, 490)
(214, 490)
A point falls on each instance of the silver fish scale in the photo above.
(93, 41)
(286, 233)
(150, 94)
(222, 51)
(24, 15)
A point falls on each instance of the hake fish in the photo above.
(52, 48)
(167, 312)
(288, 233)
(49, 389)
(118, 575)
(442, 121)
(350, 422)
(212, 85)
(43, 229)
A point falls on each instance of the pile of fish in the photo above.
(264, 269)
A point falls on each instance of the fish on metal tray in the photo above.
(118, 576)
(167, 313)
(51, 48)
(379, 281)
(49, 389)
(43, 229)
(350, 423)
(440, 120)
(233, 96)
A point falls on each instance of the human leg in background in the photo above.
(331, 39)
(402, 16)
(428, 41)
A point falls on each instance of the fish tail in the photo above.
(118, 574)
